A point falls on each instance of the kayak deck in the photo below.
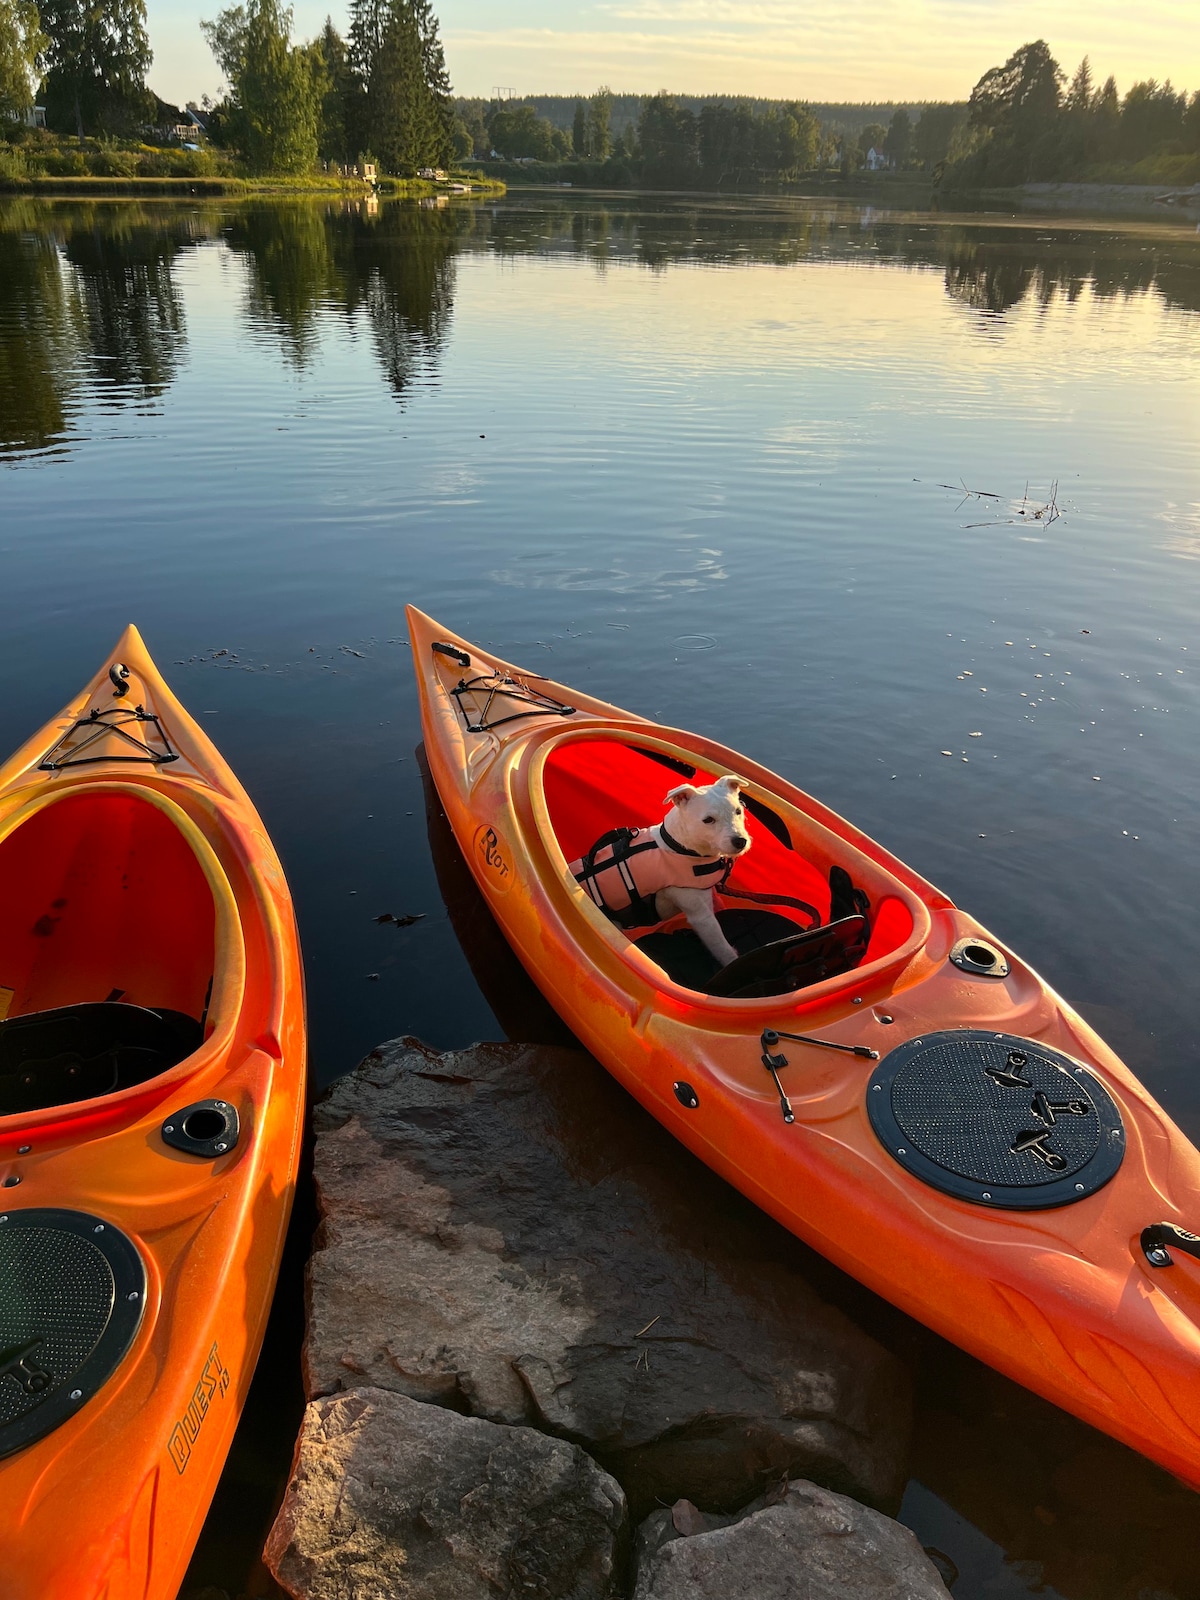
(935, 1119)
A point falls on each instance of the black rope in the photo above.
(496, 687)
(771, 1037)
(99, 725)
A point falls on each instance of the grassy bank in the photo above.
(100, 187)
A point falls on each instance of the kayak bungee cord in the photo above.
(496, 687)
(771, 1037)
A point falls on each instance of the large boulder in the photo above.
(505, 1233)
(389, 1497)
(799, 1543)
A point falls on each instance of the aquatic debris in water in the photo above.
(400, 922)
(1022, 510)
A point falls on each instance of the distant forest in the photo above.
(849, 117)
(1024, 121)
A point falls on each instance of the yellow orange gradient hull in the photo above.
(135, 873)
(1060, 1295)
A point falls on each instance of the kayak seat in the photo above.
(55, 1058)
(683, 957)
(775, 955)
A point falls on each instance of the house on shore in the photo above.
(31, 117)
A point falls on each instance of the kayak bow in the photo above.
(152, 1059)
(926, 1112)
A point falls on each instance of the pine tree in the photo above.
(437, 85)
(1080, 92)
(397, 54)
(96, 64)
(21, 43)
(600, 125)
(398, 107)
(579, 130)
(341, 109)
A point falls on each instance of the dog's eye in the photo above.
(738, 812)
(710, 819)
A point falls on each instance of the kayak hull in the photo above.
(1061, 1297)
(165, 892)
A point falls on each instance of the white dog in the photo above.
(643, 876)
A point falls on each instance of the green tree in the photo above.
(1081, 90)
(341, 112)
(935, 131)
(799, 140)
(96, 63)
(277, 88)
(437, 86)
(579, 130)
(872, 137)
(669, 139)
(599, 125)
(1151, 117)
(1191, 124)
(898, 141)
(397, 55)
(1019, 99)
(521, 135)
(21, 44)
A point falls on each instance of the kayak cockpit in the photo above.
(108, 947)
(792, 885)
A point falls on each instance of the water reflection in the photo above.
(39, 336)
(392, 265)
(93, 312)
(121, 262)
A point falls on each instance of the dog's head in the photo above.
(710, 820)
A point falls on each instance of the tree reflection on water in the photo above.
(93, 313)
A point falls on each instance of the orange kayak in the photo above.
(945, 1128)
(152, 1062)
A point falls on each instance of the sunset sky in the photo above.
(809, 49)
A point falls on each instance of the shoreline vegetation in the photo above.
(375, 113)
(317, 186)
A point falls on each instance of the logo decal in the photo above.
(493, 855)
(214, 1381)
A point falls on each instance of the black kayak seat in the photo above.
(55, 1058)
(789, 957)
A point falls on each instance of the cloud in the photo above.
(814, 49)
(901, 49)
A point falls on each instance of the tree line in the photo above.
(1026, 123)
(89, 58)
(382, 93)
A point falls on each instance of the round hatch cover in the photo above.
(72, 1291)
(996, 1119)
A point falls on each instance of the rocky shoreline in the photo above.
(548, 1355)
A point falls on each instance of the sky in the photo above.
(821, 50)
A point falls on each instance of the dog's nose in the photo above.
(739, 844)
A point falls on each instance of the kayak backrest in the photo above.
(73, 1053)
(594, 785)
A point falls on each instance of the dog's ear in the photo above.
(681, 796)
(732, 783)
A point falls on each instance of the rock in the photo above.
(390, 1497)
(505, 1232)
(808, 1544)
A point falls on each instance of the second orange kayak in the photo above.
(894, 1085)
(152, 1077)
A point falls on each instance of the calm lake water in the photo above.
(714, 461)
